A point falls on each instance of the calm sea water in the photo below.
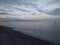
(49, 31)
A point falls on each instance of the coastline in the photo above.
(8, 36)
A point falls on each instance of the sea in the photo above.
(49, 31)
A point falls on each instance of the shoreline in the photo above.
(8, 36)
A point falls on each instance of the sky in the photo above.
(30, 9)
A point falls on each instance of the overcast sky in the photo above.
(30, 7)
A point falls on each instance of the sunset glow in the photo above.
(3, 16)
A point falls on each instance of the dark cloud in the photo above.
(3, 13)
(7, 12)
(39, 10)
(21, 9)
(10, 1)
(35, 6)
(33, 13)
(55, 12)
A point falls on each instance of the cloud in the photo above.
(3, 13)
(23, 10)
(33, 7)
(55, 12)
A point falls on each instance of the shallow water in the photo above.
(49, 31)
